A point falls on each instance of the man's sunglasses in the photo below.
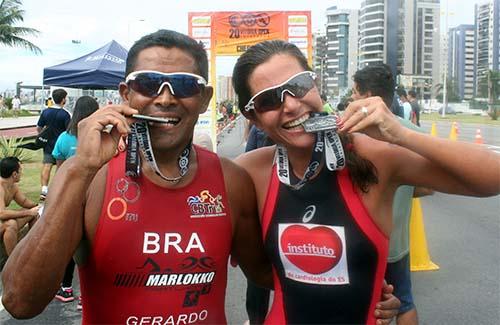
(151, 83)
(271, 98)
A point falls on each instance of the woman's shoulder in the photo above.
(257, 161)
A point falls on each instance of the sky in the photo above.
(96, 22)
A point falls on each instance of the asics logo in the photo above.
(309, 213)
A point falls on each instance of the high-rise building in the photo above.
(461, 60)
(320, 60)
(426, 53)
(405, 35)
(486, 18)
(372, 32)
(342, 48)
(225, 89)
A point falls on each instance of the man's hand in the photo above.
(388, 308)
(33, 212)
(96, 146)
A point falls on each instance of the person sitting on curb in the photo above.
(11, 221)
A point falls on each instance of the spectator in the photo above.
(406, 105)
(326, 105)
(11, 221)
(16, 105)
(415, 107)
(57, 118)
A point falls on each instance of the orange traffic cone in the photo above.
(479, 138)
(420, 259)
(453, 132)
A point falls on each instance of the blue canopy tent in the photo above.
(102, 69)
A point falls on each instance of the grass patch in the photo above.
(461, 118)
(11, 113)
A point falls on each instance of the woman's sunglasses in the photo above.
(271, 98)
(151, 83)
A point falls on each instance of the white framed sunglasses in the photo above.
(271, 98)
(151, 83)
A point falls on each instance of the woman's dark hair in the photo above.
(251, 59)
(8, 166)
(84, 107)
(362, 171)
(169, 39)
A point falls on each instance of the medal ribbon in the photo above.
(139, 139)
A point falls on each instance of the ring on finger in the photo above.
(364, 110)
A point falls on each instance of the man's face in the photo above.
(17, 175)
(183, 112)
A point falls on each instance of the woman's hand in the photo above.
(372, 117)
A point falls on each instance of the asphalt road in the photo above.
(463, 236)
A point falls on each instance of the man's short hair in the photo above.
(170, 39)
(377, 79)
(8, 166)
(412, 93)
(58, 95)
(401, 92)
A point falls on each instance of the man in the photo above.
(11, 221)
(326, 105)
(398, 266)
(16, 105)
(406, 105)
(155, 242)
(415, 107)
(57, 118)
(162, 245)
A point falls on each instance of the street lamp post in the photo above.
(445, 77)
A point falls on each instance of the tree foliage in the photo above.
(12, 35)
(451, 91)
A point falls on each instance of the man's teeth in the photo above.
(168, 120)
(296, 122)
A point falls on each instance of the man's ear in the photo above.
(124, 92)
(207, 94)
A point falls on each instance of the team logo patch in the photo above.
(313, 253)
(128, 193)
(206, 205)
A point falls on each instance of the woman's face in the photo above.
(283, 124)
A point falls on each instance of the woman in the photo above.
(66, 143)
(326, 230)
(64, 148)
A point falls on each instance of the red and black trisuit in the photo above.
(328, 255)
(159, 255)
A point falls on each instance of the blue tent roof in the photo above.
(102, 69)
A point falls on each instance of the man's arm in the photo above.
(41, 122)
(23, 200)
(42, 257)
(422, 191)
(35, 268)
(6, 214)
(247, 246)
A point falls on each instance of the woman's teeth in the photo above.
(296, 123)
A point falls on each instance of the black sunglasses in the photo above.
(151, 83)
(271, 98)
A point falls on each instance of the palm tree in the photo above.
(10, 35)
